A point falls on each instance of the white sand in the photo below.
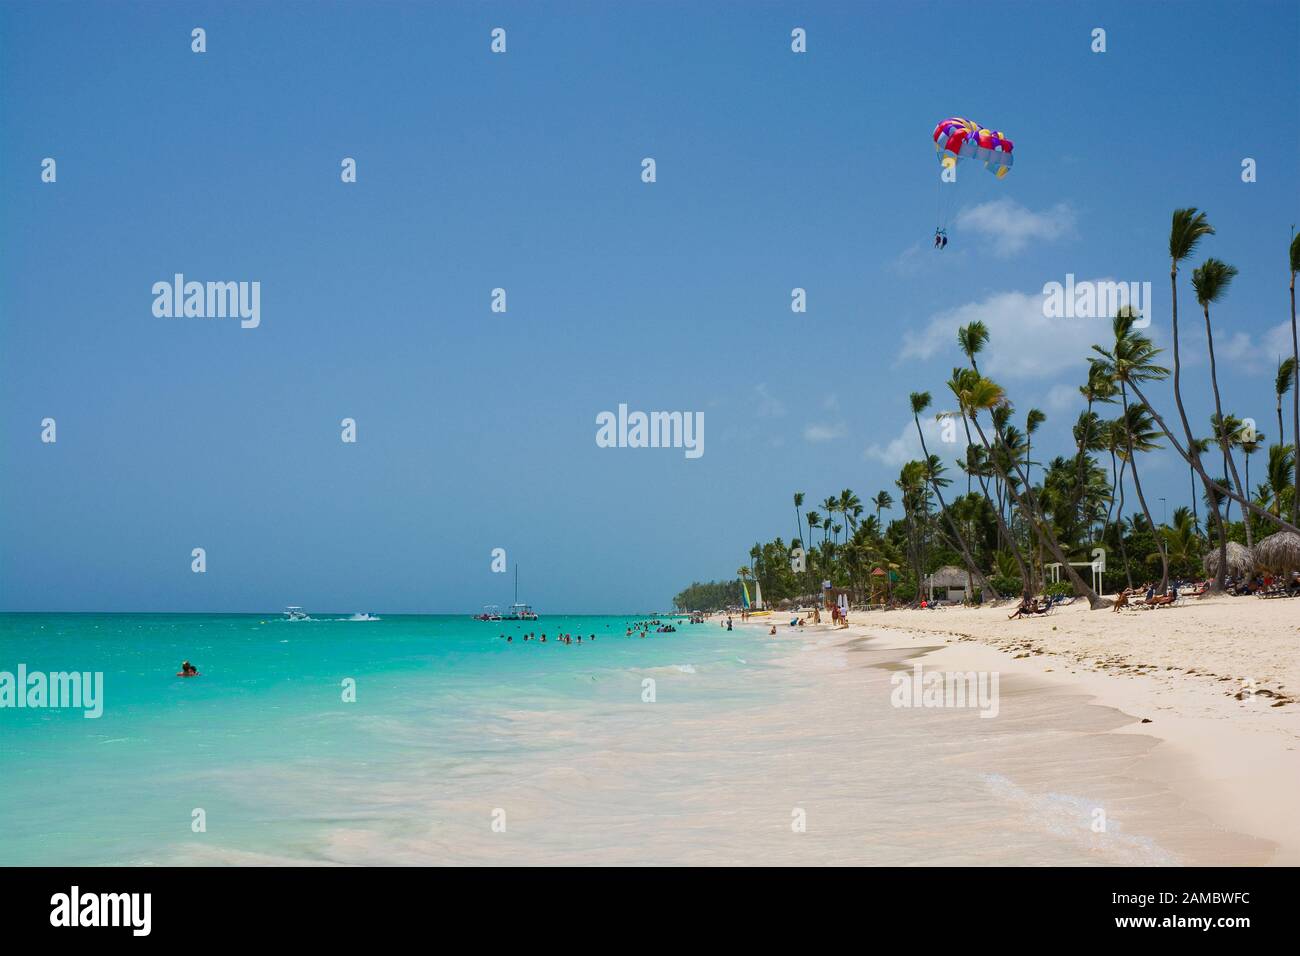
(1217, 679)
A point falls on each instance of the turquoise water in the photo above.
(264, 743)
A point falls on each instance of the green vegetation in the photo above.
(1018, 515)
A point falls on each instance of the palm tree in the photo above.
(850, 507)
(979, 462)
(1281, 385)
(1130, 359)
(814, 521)
(881, 501)
(982, 394)
(1188, 228)
(1181, 541)
(1295, 393)
(798, 519)
(1211, 280)
(920, 401)
(972, 339)
(831, 505)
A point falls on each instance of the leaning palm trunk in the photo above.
(971, 566)
(1210, 484)
(1044, 532)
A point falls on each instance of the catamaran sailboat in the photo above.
(518, 611)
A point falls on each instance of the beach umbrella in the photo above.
(1279, 552)
(1241, 562)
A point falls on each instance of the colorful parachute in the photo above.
(958, 137)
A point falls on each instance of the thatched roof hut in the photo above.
(1241, 562)
(1279, 553)
(948, 576)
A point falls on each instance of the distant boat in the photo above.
(294, 613)
(364, 616)
(518, 611)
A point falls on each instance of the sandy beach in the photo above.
(1207, 687)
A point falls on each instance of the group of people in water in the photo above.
(639, 629)
(643, 628)
(559, 638)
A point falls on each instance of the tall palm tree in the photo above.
(1132, 358)
(972, 338)
(1281, 385)
(981, 462)
(920, 401)
(1211, 280)
(1032, 421)
(832, 505)
(881, 501)
(850, 507)
(1188, 228)
(798, 518)
(814, 521)
(1295, 393)
(980, 394)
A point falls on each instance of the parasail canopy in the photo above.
(957, 137)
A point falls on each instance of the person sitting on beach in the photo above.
(1027, 606)
(1121, 600)
(1164, 599)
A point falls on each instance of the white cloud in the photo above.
(1023, 343)
(1012, 227)
(907, 446)
(823, 431)
(1061, 398)
(1253, 353)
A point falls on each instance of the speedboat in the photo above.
(294, 613)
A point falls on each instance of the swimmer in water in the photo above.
(188, 670)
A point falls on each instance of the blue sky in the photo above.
(476, 430)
